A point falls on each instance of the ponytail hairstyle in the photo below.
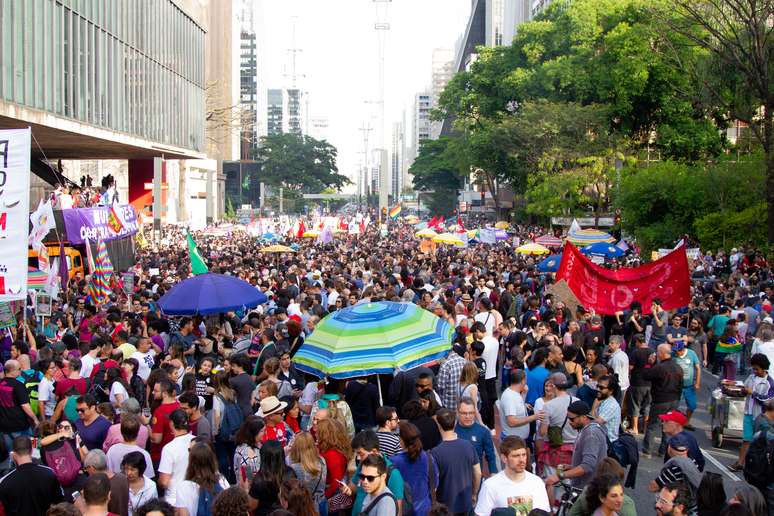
(412, 440)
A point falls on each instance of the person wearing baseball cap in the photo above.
(590, 447)
(679, 467)
(673, 423)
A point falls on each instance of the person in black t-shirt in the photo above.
(639, 388)
(30, 489)
(15, 410)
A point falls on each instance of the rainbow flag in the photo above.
(395, 212)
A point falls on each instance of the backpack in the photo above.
(759, 461)
(64, 464)
(98, 387)
(70, 408)
(206, 499)
(231, 420)
(408, 501)
(31, 382)
(367, 510)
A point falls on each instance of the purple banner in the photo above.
(103, 222)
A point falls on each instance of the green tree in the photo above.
(589, 52)
(436, 169)
(299, 163)
(736, 38)
(662, 202)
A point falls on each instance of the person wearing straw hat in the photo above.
(273, 413)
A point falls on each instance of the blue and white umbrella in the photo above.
(550, 264)
(603, 249)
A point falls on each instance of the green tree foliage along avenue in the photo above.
(596, 90)
(299, 163)
(436, 170)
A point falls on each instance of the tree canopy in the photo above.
(299, 163)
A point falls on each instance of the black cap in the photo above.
(579, 408)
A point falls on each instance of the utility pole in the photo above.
(382, 26)
(294, 94)
(362, 190)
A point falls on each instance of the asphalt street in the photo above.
(716, 458)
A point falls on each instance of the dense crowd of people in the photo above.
(119, 409)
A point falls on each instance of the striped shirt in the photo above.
(389, 443)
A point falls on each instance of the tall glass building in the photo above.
(131, 66)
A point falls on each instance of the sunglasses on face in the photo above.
(80, 410)
(368, 478)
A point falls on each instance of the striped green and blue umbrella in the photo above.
(374, 338)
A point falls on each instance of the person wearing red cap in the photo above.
(673, 423)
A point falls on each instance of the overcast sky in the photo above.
(339, 59)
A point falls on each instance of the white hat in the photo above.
(271, 405)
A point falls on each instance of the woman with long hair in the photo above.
(130, 367)
(574, 370)
(264, 489)
(416, 414)
(292, 413)
(415, 466)
(224, 448)
(295, 498)
(201, 478)
(309, 468)
(247, 457)
(116, 386)
(335, 447)
(711, 494)
(605, 495)
(591, 359)
(469, 386)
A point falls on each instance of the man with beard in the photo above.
(606, 410)
(674, 499)
(590, 447)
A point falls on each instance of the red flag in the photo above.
(439, 223)
(362, 225)
(608, 292)
(460, 227)
(301, 229)
(432, 223)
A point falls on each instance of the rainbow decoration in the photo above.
(395, 212)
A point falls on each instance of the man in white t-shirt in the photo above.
(514, 420)
(514, 486)
(619, 363)
(91, 359)
(174, 455)
(491, 348)
(145, 356)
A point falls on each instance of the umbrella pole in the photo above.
(379, 385)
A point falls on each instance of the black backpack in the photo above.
(759, 461)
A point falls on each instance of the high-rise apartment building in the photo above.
(248, 82)
(275, 112)
(396, 160)
(422, 105)
(295, 118)
(443, 71)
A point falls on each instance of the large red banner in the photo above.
(608, 291)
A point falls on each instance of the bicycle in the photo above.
(568, 499)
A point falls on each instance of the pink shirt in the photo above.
(114, 437)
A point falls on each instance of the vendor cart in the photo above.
(727, 412)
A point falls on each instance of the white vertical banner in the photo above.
(14, 212)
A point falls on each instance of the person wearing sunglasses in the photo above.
(590, 447)
(92, 427)
(379, 500)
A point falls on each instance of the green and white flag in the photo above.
(197, 262)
